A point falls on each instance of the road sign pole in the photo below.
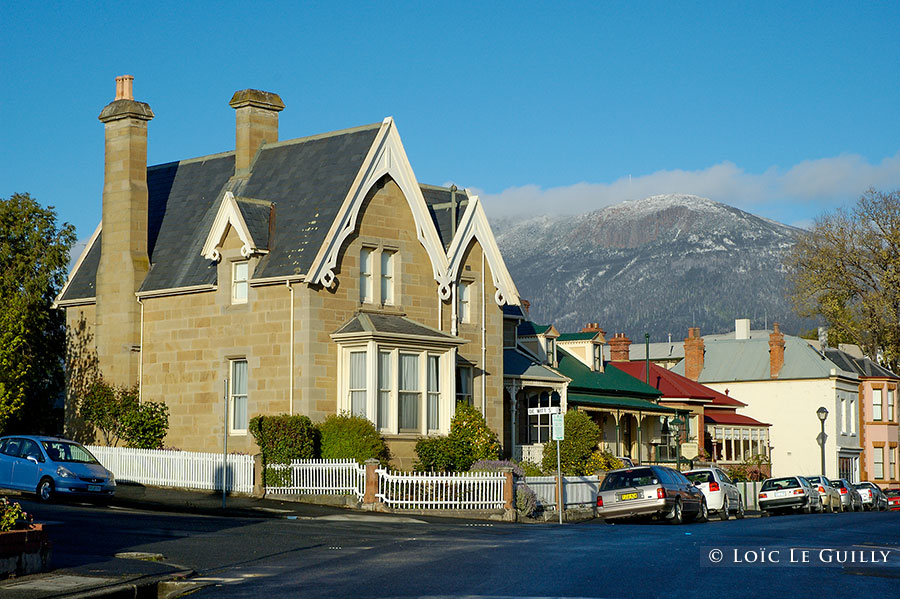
(561, 500)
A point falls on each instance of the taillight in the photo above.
(799, 492)
(762, 495)
(713, 486)
(599, 501)
(660, 493)
(843, 490)
(822, 490)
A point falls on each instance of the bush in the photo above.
(496, 466)
(10, 514)
(352, 437)
(530, 468)
(526, 500)
(581, 437)
(470, 440)
(120, 416)
(146, 425)
(281, 440)
(602, 460)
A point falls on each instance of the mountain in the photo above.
(657, 265)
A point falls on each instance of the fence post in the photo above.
(369, 498)
(509, 495)
(259, 488)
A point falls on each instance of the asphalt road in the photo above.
(367, 555)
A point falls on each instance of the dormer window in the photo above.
(551, 351)
(240, 277)
(365, 275)
(598, 357)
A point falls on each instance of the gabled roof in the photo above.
(675, 386)
(440, 201)
(531, 329)
(730, 417)
(728, 359)
(513, 311)
(518, 364)
(578, 336)
(611, 382)
(864, 367)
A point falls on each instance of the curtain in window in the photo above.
(239, 394)
(434, 391)
(409, 392)
(384, 388)
(387, 277)
(358, 383)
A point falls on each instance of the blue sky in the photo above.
(785, 110)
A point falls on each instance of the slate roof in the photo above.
(864, 367)
(728, 359)
(513, 311)
(515, 363)
(306, 179)
(529, 328)
(257, 215)
(438, 200)
(676, 386)
(612, 382)
(391, 324)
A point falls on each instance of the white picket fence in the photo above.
(317, 477)
(182, 469)
(441, 491)
(577, 490)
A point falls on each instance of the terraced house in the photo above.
(307, 276)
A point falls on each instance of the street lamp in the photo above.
(676, 424)
(822, 413)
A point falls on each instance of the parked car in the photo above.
(50, 466)
(626, 462)
(893, 499)
(831, 498)
(788, 493)
(850, 499)
(872, 496)
(722, 495)
(650, 491)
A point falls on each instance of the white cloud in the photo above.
(794, 195)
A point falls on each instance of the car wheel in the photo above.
(723, 513)
(821, 508)
(740, 512)
(764, 514)
(45, 490)
(830, 507)
(677, 513)
(703, 514)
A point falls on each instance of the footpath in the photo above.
(139, 576)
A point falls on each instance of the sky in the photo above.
(787, 110)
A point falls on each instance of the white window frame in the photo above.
(598, 357)
(878, 461)
(892, 453)
(878, 406)
(433, 396)
(464, 372)
(891, 406)
(240, 283)
(366, 283)
(464, 301)
(234, 396)
(842, 415)
(853, 416)
(358, 388)
(388, 262)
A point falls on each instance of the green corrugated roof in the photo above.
(612, 381)
(625, 403)
(576, 336)
(531, 328)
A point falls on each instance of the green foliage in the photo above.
(602, 459)
(581, 437)
(755, 468)
(281, 440)
(10, 514)
(846, 269)
(120, 417)
(34, 255)
(353, 437)
(530, 468)
(497, 466)
(470, 440)
(525, 500)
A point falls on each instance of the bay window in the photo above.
(877, 402)
(357, 386)
(879, 462)
(409, 395)
(434, 392)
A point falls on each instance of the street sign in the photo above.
(557, 427)
(542, 411)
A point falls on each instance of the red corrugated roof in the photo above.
(730, 417)
(675, 386)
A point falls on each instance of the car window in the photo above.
(724, 477)
(29, 448)
(65, 451)
(681, 478)
(12, 447)
(620, 479)
(704, 476)
(776, 484)
(665, 476)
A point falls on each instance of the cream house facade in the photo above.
(308, 276)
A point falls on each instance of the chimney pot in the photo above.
(125, 87)
(620, 348)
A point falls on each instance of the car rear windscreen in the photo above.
(700, 477)
(774, 484)
(639, 477)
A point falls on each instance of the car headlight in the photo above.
(64, 472)
(112, 477)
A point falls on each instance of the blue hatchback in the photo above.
(50, 466)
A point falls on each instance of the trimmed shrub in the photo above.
(282, 439)
(434, 454)
(530, 468)
(344, 436)
(602, 460)
(526, 500)
(117, 413)
(581, 437)
(496, 465)
(146, 425)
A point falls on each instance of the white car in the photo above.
(722, 495)
(831, 498)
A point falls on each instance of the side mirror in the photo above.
(697, 483)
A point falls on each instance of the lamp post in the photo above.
(822, 413)
(676, 424)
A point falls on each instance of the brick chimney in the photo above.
(619, 348)
(776, 350)
(123, 251)
(593, 327)
(257, 124)
(694, 349)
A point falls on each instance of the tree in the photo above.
(34, 255)
(119, 416)
(846, 270)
